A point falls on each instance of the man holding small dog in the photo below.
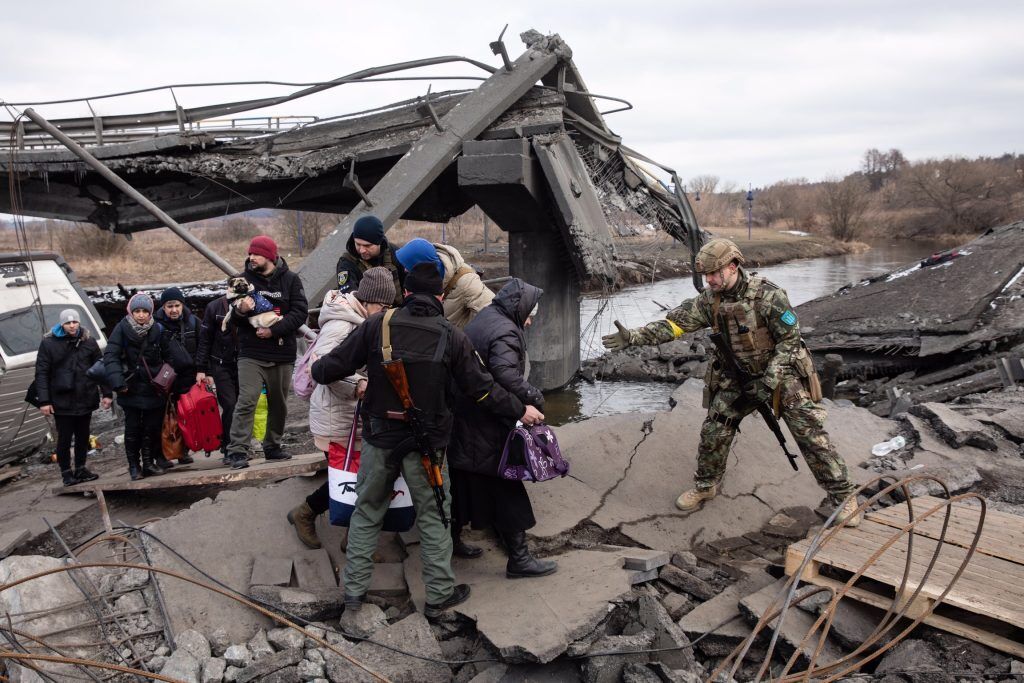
(266, 355)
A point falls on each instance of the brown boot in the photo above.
(304, 521)
(849, 514)
(694, 498)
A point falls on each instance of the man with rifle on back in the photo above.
(760, 364)
(412, 355)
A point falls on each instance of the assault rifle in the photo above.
(738, 373)
(395, 370)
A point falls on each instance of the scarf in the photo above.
(141, 330)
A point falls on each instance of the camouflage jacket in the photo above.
(760, 324)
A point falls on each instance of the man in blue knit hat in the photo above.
(366, 248)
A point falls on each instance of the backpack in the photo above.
(532, 454)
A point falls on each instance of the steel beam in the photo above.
(431, 155)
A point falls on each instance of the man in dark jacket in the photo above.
(266, 355)
(65, 354)
(434, 354)
(217, 364)
(366, 248)
(180, 329)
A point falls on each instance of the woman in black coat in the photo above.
(181, 330)
(135, 351)
(479, 496)
(65, 392)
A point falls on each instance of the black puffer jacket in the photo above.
(283, 289)
(182, 333)
(216, 346)
(61, 364)
(497, 334)
(123, 362)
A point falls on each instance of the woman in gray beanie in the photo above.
(65, 392)
(331, 406)
(135, 351)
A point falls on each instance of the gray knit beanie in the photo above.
(376, 287)
(140, 300)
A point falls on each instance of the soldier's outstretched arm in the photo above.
(688, 316)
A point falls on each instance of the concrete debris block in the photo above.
(130, 603)
(156, 663)
(194, 642)
(667, 675)
(259, 646)
(318, 631)
(727, 545)
(219, 642)
(182, 666)
(271, 571)
(1017, 668)
(667, 634)
(263, 667)
(684, 559)
(162, 651)
(231, 674)
(677, 604)
(782, 525)
(955, 429)
(959, 477)
(914, 655)
(609, 669)
(639, 577)
(684, 581)
(364, 622)
(492, 674)
(1011, 421)
(721, 608)
(644, 560)
(289, 674)
(286, 638)
(310, 671)
(310, 604)
(313, 569)
(638, 673)
(854, 622)
(131, 579)
(794, 627)
(238, 656)
(315, 655)
(213, 670)
(10, 540)
(412, 634)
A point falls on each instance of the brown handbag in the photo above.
(172, 443)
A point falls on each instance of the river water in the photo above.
(803, 280)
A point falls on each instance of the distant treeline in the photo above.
(888, 195)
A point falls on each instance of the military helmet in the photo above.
(717, 254)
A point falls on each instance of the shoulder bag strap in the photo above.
(464, 270)
(385, 335)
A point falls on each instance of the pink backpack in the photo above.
(302, 383)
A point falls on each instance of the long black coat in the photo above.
(183, 333)
(61, 364)
(497, 334)
(125, 368)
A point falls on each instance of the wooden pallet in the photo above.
(987, 602)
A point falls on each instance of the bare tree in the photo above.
(964, 196)
(845, 203)
(310, 225)
(85, 239)
(879, 166)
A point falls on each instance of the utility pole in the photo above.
(750, 209)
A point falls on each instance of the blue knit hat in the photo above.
(419, 250)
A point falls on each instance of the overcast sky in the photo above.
(753, 92)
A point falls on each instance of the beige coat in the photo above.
(469, 296)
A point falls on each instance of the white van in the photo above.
(33, 292)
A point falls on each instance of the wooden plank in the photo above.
(989, 586)
(10, 540)
(314, 569)
(271, 571)
(204, 472)
(993, 640)
(9, 472)
(1002, 533)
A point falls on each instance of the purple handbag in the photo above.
(532, 454)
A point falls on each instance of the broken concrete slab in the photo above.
(642, 576)
(10, 540)
(535, 620)
(643, 559)
(363, 622)
(795, 626)
(271, 571)
(609, 669)
(854, 622)
(182, 666)
(667, 634)
(687, 582)
(314, 604)
(721, 613)
(640, 462)
(265, 666)
(411, 634)
(1011, 421)
(314, 569)
(917, 656)
(955, 429)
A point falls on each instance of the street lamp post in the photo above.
(750, 210)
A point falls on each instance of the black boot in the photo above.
(83, 474)
(462, 549)
(134, 468)
(521, 564)
(150, 468)
(68, 477)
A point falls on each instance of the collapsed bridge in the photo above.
(529, 146)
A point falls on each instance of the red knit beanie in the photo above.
(264, 246)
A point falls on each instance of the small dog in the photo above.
(263, 314)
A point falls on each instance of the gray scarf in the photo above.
(141, 330)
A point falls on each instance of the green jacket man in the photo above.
(756, 318)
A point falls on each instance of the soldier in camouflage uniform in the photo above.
(755, 317)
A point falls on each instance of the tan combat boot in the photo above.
(849, 508)
(304, 521)
(694, 498)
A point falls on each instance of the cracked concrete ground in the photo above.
(627, 471)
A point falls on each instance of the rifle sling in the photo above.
(385, 335)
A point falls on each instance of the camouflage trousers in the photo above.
(805, 420)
